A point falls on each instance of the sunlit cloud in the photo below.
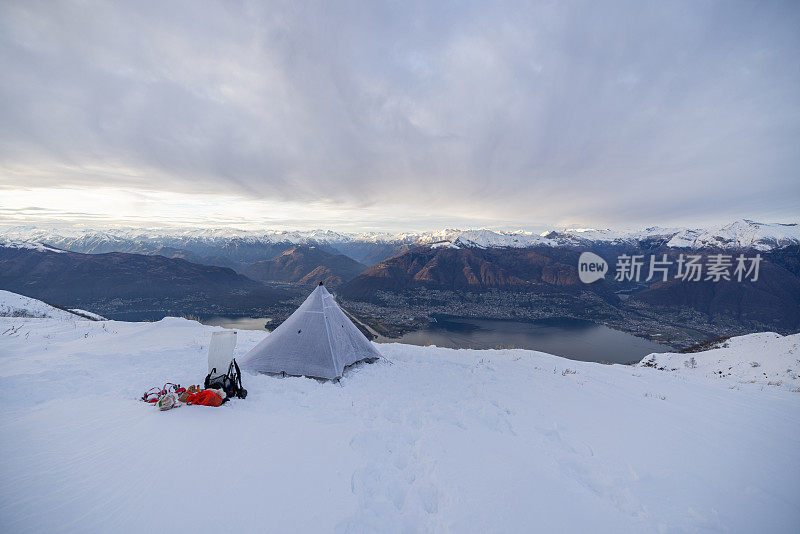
(399, 115)
(104, 207)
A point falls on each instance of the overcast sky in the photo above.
(399, 115)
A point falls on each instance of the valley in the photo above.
(398, 283)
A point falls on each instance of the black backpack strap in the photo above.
(235, 375)
(207, 381)
(238, 373)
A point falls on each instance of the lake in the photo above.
(240, 323)
(570, 338)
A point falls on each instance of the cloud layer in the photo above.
(584, 112)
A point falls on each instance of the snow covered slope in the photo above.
(765, 357)
(14, 305)
(31, 245)
(430, 440)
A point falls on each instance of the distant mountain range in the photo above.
(403, 278)
(448, 266)
(237, 249)
(542, 281)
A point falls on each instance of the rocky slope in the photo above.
(115, 283)
(306, 264)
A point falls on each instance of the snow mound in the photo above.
(428, 440)
(765, 357)
(88, 314)
(14, 305)
(444, 244)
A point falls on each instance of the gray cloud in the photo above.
(586, 112)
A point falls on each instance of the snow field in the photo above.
(765, 358)
(427, 440)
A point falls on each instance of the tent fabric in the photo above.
(318, 340)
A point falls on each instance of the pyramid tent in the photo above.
(317, 340)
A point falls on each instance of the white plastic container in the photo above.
(220, 351)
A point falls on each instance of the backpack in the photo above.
(230, 382)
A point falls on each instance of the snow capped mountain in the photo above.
(30, 245)
(619, 237)
(741, 234)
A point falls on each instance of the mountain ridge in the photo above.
(247, 247)
(306, 264)
(117, 283)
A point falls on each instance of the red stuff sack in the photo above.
(207, 397)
